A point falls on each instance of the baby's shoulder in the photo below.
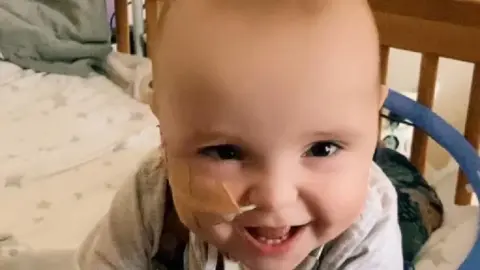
(169, 235)
(150, 188)
(151, 176)
(382, 194)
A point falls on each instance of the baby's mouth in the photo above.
(272, 236)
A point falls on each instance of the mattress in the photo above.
(66, 144)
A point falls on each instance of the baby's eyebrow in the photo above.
(204, 136)
(341, 133)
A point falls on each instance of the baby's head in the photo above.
(278, 101)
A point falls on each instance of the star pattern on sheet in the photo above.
(136, 116)
(44, 204)
(11, 247)
(13, 181)
(59, 100)
(436, 256)
(119, 146)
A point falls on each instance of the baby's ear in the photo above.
(383, 96)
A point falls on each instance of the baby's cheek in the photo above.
(338, 204)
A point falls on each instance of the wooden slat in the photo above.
(463, 195)
(121, 21)
(425, 36)
(426, 94)
(384, 54)
(459, 12)
(151, 10)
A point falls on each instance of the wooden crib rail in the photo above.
(456, 12)
(122, 26)
(446, 28)
(435, 28)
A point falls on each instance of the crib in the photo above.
(435, 29)
(429, 27)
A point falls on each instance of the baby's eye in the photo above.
(222, 152)
(322, 149)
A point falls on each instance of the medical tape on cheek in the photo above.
(204, 196)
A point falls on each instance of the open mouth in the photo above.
(272, 236)
(272, 240)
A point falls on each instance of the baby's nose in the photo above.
(273, 193)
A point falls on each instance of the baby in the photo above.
(268, 111)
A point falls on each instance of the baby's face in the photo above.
(282, 107)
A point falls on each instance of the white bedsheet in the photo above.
(66, 144)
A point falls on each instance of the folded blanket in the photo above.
(132, 73)
(67, 37)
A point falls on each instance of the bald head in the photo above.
(269, 47)
(196, 35)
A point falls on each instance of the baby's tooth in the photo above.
(271, 241)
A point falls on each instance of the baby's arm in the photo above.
(126, 237)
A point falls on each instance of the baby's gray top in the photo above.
(128, 236)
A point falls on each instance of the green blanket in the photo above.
(55, 36)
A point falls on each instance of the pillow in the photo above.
(449, 246)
